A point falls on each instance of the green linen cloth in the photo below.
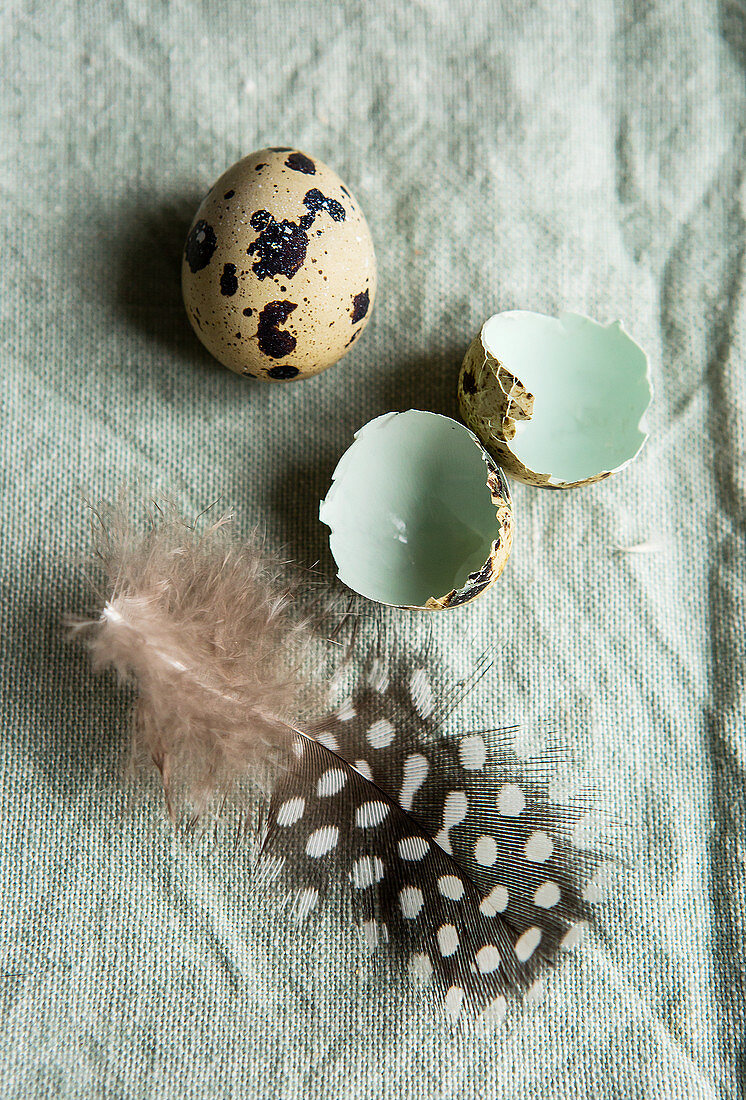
(585, 155)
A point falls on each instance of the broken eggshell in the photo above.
(420, 515)
(558, 402)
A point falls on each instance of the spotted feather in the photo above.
(457, 861)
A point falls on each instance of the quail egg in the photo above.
(279, 272)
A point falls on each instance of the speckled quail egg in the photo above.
(419, 514)
(556, 401)
(279, 272)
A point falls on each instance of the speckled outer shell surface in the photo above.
(491, 400)
(484, 578)
(279, 272)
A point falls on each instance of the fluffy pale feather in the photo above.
(210, 632)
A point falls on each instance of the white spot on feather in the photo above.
(547, 895)
(596, 888)
(416, 768)
(574, 936)
(455, 809)
(411, 901)
(422, 693)
(413, 847)
(370, 814)
(485, 851)
(447, 940)
(270, 868)
(510, 800)
(366, 872)
(488, 958)
(381, 734)
(345, 711)
(593, 893)
(305, 901)
(370, 931)
(527, 943)
(375, 932)
(291, 811)
(495, 1010)
(331, 782)
(495, 902)
(535, 992)
(539, 847)
(328, 740)
(453, 1001)
(420, 968)
(586, 830)
(451, 887)
(473, 752)
(322, 841)
(364, 768)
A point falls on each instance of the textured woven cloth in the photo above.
(585, 155)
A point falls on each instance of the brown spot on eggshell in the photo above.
(228, 280)
(316, 201)
(280, 247)
(284, 232)
(273, 342)
(360, 304)
(468, 383)
(284, 372)
(200, 245)
(299, 162)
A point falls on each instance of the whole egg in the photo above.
(279, 272)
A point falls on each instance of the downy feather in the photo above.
(211, 633)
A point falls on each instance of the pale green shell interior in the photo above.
(409, 510)
(591, 388)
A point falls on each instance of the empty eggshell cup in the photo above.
(420, 515)
(557, 402)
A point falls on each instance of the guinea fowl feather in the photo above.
(448, 850)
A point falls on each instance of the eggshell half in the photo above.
(419, 514)
(558, 402)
